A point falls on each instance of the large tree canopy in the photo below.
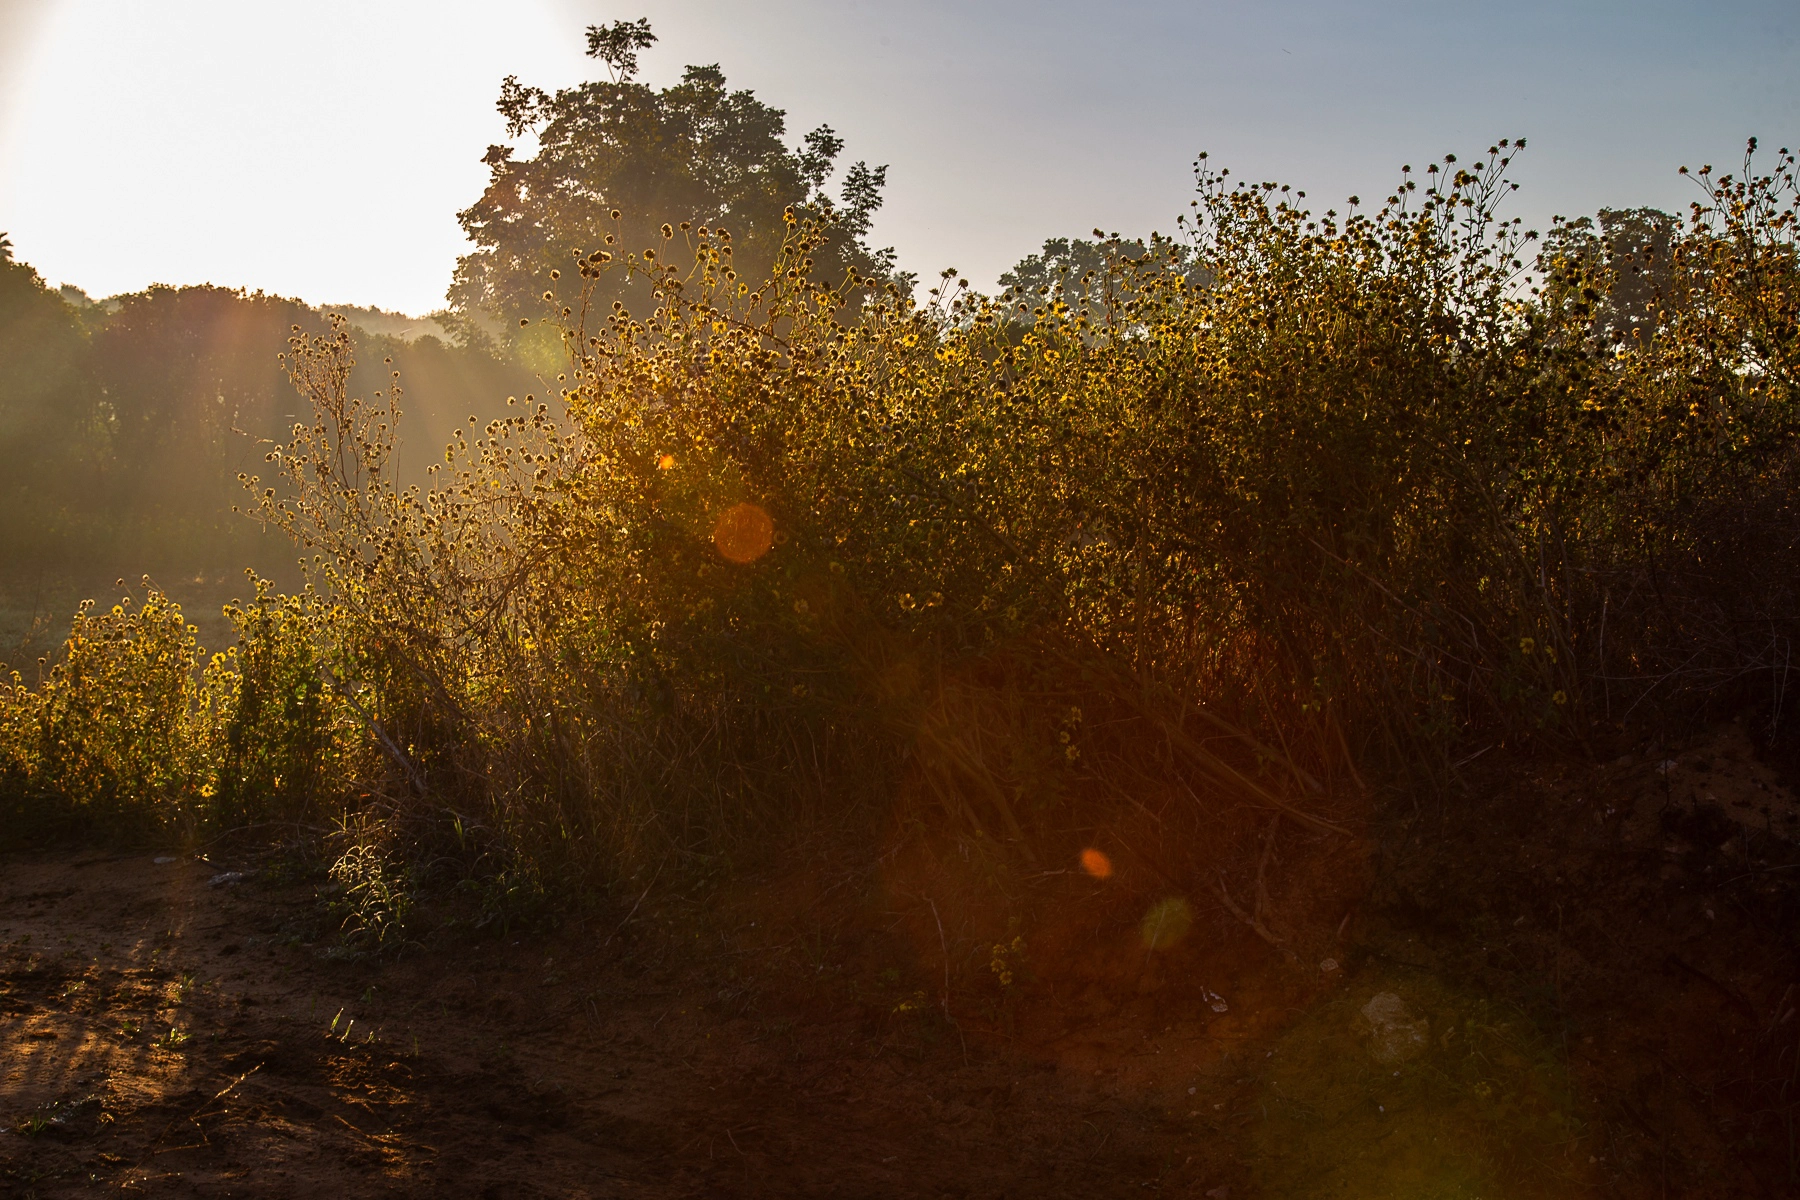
(617, 160)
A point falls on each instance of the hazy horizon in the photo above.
(325, 159)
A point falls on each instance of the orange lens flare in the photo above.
(744, 533)
(1095, 863)
(665, 462)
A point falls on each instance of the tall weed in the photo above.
(1225, 531)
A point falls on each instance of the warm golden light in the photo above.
(744, 533)
(1096, 863)
(665, 462)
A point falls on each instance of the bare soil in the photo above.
(1591, 971)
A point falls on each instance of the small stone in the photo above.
(1329, 965)
(1395, 1035)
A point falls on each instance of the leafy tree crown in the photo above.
(621, 168)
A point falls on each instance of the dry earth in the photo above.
(1575, 979)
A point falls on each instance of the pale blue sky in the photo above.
(322, 149)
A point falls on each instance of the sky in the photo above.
(322, 150)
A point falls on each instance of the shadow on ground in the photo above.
(1573, 980)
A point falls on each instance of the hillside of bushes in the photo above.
(1244, 530)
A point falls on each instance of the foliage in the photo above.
(1216, 530)
(617, 161)
(120, 729)
(46, 413)
(1655, 467)
(285, 738)
(128, 422)
(136, 729)
(1633, 250)
(1068, 269)
(1307, 482)
(181, 369)
(1172, 507)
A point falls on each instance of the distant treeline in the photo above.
(124, 424)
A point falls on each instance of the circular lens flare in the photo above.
(1166, 923)
(1095, 863)
(665, 462)
(744, 533)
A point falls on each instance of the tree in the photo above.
(46, 407)
(1075, 270)
(178, 370)
(1066, 266)
(1625, 259)
(621, 166)
(193, 389)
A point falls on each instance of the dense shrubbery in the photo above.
(136, 728)
(1218, 530)
(123, 726)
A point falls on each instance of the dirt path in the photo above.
(549, 1066)
(1590, 983)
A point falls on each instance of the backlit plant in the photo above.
(1223, 527)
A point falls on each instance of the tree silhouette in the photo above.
(618, 161)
